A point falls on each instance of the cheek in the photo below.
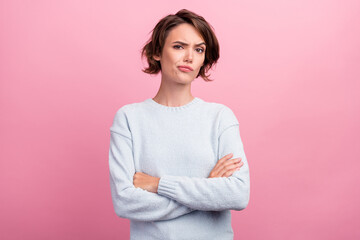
(201, 59)
(201, 62)
(171, 59)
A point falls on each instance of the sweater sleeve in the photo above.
(128, 201)
(214, 194)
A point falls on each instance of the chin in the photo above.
(188, 79)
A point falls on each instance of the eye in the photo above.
(177, 46)
(200, 50)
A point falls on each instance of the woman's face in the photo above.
(184, 46)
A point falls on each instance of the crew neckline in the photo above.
(178, 108)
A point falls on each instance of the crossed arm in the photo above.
(142, 197)
(225, 167)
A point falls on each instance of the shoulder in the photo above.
(222, 110)
(128, 108)
(227, 112)
(213, 107)
(120, 120)
(225, 116)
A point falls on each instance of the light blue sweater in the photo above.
(181, 145)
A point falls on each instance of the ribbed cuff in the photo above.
(167, 186)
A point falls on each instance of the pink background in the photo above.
(290, 71)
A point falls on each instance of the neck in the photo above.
(173, 94)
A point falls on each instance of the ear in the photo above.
(157, 58)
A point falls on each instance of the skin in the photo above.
(175, 90)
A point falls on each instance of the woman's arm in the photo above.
(214, 194)
(130, 202)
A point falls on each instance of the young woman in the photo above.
(177, 163)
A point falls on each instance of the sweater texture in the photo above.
(180, 145)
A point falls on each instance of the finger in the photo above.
(219, 164)
(231, 172)
(229, 163)
(223, 167)
(222, 160)
(232, 161)
(229, 168)
(228, 174)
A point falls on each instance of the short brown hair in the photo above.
(156, 43)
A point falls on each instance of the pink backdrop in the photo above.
(290, 71)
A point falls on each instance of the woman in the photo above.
(177, 164)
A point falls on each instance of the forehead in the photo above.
(184, 32)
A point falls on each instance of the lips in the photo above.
(185, 68)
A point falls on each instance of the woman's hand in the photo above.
(225, 167)
(146, 182)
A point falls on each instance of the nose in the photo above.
(188, 55)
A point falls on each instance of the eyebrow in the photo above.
(185, 44)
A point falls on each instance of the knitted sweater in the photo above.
(180, 145)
